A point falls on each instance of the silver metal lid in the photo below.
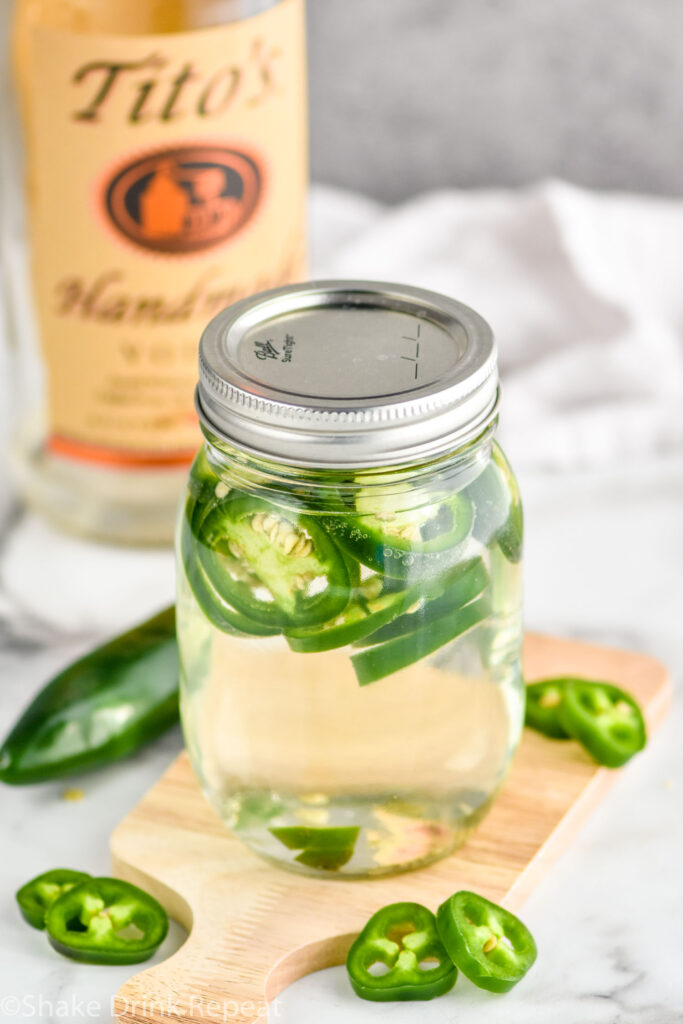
(347, 373)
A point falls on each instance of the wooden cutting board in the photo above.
(255, 928)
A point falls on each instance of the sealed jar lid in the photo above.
(347, 373)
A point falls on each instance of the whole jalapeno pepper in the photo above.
(404, 938)
(101, 708)
(106, 921)
(491, 946)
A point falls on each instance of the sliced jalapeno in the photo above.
(106, 921)
(543, 701)
(498, 513)
(405, 543)
(277, 567)
(203, 478)
(606, 720)
(510, 536)
(491, 946)
(325, 848)
(35, 897)
(369, 608)
(437, 598)
(402, 937)
(376, 603)
(217, 610)
(383, 659)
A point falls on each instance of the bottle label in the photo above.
(166, 178)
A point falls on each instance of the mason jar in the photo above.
(349, 577)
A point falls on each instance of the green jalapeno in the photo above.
(510, 534)
(435, 599)
(325, 848)
(35, 897)
(101, 708)
(374, 608)
(217, 610)
(498, 513)
(491, 946)
(206, 492)
(543, 701)
(417, 542)
(606, 720)
(386, 658)
(370, 607)
(203, 478)
(277, 567)
(106, 921)
(402, 937)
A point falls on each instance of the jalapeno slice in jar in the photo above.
(361, 616)
(391, 656)
(605, 719)
(404, 543)
(217, 610)
(106, 921)
(491, 946)
(203, 478)
(435, 599)
(275, 566)
(543, 700)
(498, 512)
(35, 897)
(324, 848)
(402, 937)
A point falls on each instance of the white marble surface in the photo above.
(604, 560)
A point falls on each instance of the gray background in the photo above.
(414, 94)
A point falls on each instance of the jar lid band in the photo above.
(347, 373)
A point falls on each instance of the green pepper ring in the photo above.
(400, 557)
(489, 489)
(325, 559)
(362, 619)
(442, 596)
(492, 947)
(36, 896)
(605, 719)
(384, 659)
(543, 700)
(402, 936)
(106, 921)
(217, 610)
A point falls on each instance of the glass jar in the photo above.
(154, 170)
(349, 578)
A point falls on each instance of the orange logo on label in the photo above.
(185, 199)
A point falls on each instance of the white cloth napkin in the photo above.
(584, 294)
